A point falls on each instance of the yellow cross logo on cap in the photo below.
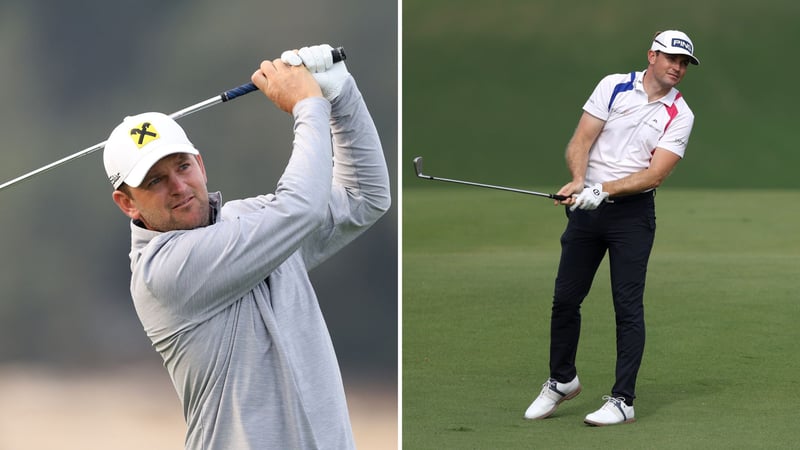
(143, 133)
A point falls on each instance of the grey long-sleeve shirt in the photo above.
(230, 307)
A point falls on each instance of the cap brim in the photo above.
(139, 171)
(692, 58)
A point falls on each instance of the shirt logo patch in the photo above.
(680, 43)
(143, 134)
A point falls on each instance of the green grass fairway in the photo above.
(722, 303)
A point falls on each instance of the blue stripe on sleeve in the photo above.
(622, 87)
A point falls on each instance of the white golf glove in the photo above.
(590, 198)
(319, 61)
(291, 58)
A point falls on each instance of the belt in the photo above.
(632, 198)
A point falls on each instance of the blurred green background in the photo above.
(492, 91)
(71, 71)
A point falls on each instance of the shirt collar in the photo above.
(638, 84)
(215, 200)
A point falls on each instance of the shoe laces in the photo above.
(616, 401)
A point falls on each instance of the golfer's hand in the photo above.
(284, 84)
(318, 59)
(590, 198)
(569, 190)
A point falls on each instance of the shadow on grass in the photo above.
(655, 396)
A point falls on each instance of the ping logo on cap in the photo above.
(143, 134)
(681, 43)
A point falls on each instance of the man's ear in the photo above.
(651, 56)
(125, 204)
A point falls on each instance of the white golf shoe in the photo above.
(613, 412)
(553, 393)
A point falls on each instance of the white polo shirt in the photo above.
(634, 127)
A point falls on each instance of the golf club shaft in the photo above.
(230, 94)
(418, 170)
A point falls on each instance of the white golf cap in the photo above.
(674, 42)
(138, 143)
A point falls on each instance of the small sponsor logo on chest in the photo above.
(649, 121)
(653, 123)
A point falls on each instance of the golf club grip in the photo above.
(560, 198)
(230, 94)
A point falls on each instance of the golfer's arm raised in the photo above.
(196, 273)
(360, 165)
(360, 194)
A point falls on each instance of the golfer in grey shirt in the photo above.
(222, 289)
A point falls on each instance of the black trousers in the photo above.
(625, 229)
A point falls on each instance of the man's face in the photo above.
(173, 195)
(668, 70)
